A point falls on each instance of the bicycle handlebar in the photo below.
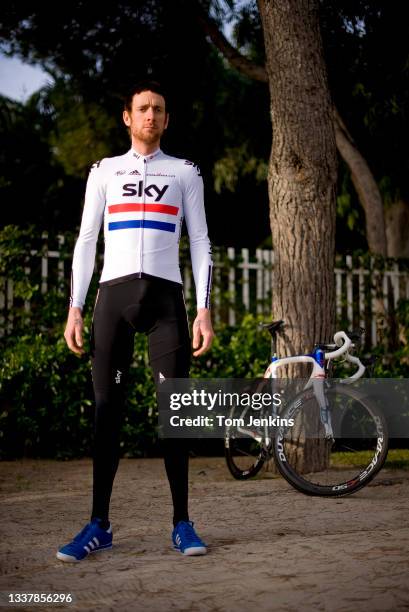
(347, 342)
(338, 338)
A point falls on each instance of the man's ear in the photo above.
(126, 118)
(166, 121)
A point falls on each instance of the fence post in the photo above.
(217, 288)
(374, 273)
(3, 282)
(259, 281)
(338, 293)
(395, 283)
(350, 303)
(232, 279)
(245, 288)
(44, 265)
(385, 291)
(27, 271)
(61, 266)
(361, 300)
(272, 282)
(267, 276)
(10, 298)
(187, 283)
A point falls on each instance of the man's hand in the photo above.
(73, 331)
(202, 328)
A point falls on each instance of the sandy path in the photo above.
(270, 548)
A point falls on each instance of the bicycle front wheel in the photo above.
(316, 465)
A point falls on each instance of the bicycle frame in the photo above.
(316, 380)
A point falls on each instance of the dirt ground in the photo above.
(270, 548)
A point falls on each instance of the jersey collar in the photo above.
(137, 155)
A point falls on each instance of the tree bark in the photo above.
(397, 229)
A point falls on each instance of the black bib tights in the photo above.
(125, 306)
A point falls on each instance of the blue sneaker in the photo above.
(186, 540)
(90, 539)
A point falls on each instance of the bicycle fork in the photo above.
(325, 414)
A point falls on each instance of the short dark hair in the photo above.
(138, 88)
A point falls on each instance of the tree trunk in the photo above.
(366, 188)
(302, 172)
(397, 229)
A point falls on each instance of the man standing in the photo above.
(142, 198)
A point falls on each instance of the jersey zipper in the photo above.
(145, 164)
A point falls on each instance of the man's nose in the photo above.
(149, 113)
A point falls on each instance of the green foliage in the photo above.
(398, 459)
(236, 163)
(240, 351)
(345, 211)
(81, 137)
(46, 400)
(15, 246)
(396, 365)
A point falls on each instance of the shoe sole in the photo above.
(70, 559)
(193, 551)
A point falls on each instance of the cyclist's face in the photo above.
(148, 118)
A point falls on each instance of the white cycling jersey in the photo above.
(142, 201)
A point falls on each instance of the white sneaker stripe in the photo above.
(87, 549)
(96, 540)
(91, 544)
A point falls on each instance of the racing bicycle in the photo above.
(332, 437)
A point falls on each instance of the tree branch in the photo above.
(234, 57)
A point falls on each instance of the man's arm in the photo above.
(200, 251)
(84, 256)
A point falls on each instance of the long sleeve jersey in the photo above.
(142, 201)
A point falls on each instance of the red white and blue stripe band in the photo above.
(166, 209)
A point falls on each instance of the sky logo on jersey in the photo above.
(133, 189)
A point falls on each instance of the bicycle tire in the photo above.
(244, 455)
(345, 465)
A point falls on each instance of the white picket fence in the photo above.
(243, 282)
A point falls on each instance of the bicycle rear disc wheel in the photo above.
(244, 449)
(341, 466)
